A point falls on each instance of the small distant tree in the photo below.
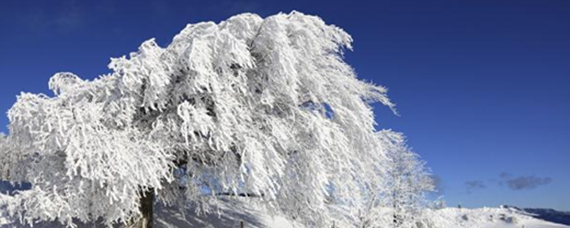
(251, 106)
(399, 196)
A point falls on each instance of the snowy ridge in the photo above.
(486, 218)
(551, 215)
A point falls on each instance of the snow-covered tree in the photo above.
(399, 195)
(251, 106)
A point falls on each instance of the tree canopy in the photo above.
(250, 105)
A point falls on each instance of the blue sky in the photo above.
(481, 85)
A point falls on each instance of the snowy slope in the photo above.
(235, 211)
(551, 215)
(231, 214)
(486, 218)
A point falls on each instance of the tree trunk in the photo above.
(147, 202)
(146, 209)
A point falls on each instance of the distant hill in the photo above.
(551, 215)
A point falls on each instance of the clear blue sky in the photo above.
(482, 86)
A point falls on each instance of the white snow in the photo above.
(235, 211)
(230, 217)
(486, 218)
(231, 213)
(3, 220)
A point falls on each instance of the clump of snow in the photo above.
(3, 221)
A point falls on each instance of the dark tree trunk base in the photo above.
(147, 202)
(146, 209)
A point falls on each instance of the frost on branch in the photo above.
(398, 198)
(258, 106)
(63, 82)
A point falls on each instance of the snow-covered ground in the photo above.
(231, 214)
(486, 218)
(236, 211)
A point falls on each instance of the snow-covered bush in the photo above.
(255, 106)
